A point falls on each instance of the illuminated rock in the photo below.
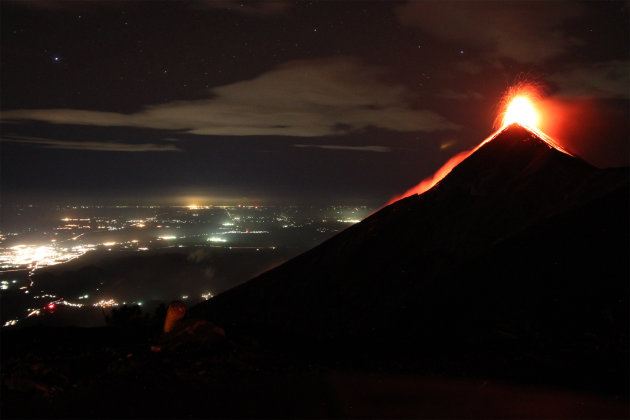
(176, 311)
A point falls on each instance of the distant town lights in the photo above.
(36, 256)
(216, 239)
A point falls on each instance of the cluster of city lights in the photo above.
(231, 232)
(45, 296)
(36, 256)
(216, 239)
(74, 305)
(106, 303)
(35, 312)
(67, 239)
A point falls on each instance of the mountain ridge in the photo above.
(385, 279)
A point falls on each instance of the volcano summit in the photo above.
(514, 266)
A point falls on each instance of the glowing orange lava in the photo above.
(520, 110)
(429, 182)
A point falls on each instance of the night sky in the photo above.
(350, 102)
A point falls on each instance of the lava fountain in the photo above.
(521, 111)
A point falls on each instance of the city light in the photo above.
(37, 256)
(216, 239)
(75, 305)
(68, 238)
(109, 303)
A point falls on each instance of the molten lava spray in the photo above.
(520, 104)
(517, 107)
(521, 111)
(429, 182)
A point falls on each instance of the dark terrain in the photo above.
(501, 292)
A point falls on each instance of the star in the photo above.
(56, 59)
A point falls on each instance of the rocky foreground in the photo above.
(136, 370)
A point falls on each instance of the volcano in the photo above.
(515, 265)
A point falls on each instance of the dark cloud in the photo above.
(600, 80)
(95, 146)
(60, 5)
(468, 67)
(526, 31)
(460, 96)
(380, 149)
(256, 8)
(304, 98)
(251, 7)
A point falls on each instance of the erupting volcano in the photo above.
(519, 110)
(493, 264)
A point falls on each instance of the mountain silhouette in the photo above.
(516, 263)
(502, 292)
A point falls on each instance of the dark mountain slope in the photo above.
(549, 304)
(423, 275)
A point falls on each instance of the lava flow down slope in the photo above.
(514, 265)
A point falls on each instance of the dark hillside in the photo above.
(450, 276)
